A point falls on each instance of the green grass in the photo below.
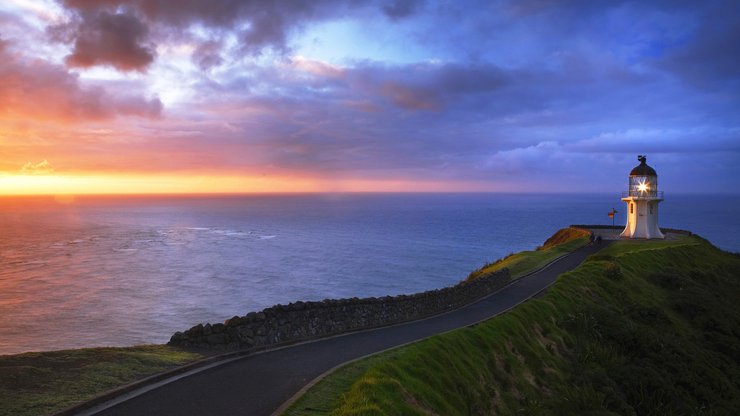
(519, 264)
(45, 382)
(648, 327)
(327, 393)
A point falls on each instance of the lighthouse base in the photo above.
(642, 218)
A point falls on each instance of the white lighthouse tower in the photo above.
(642, 200)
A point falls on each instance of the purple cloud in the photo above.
(710, 58)
(117, 32)
(399, 9)
(40, 90)
(118, 40)
(208, 55)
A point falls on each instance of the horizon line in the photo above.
(295, 193)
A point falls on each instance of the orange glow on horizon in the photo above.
(87, 184)
(100, 184)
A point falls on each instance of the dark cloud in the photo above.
(431, 87)
(410, 98)
(267, 28)
(116, 32)
(523, 8)
(207, 55)
(223, 13)
(118, 40)
(398, 9)
(710, 58)
(37, 89)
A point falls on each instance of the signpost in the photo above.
(611, 215)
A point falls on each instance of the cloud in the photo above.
(41, 168)
(132, 28)
(117, 32)
(429, 86)
(40, 90)
(521, 160)
(410, 98)
(207, 55)
(117, 40)
(399, 9)
(709, 58)
(667, 140)
(317, 68)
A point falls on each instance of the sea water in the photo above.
(116, 271)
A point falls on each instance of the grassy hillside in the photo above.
(39, 383)
(649, 328)
(519, 264)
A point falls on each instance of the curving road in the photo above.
(259, 384)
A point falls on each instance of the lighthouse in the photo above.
(642, 200)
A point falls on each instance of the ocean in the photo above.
(118, 271)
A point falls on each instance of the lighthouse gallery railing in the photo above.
(643, 194)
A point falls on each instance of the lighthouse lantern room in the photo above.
(642, 200)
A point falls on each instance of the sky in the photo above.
(191, 96)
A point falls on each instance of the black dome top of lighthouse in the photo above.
(643, 169)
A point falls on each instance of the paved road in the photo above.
(259, 384)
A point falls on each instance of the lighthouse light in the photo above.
(642, 187)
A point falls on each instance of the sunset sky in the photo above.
(146, 96)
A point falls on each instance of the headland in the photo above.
(559, 336)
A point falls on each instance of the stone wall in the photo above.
(299, 321)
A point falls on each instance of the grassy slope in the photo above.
(42, 383)
(641, 328)
(329, 390)
(519, 264)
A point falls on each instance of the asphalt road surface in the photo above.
(259, 384)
